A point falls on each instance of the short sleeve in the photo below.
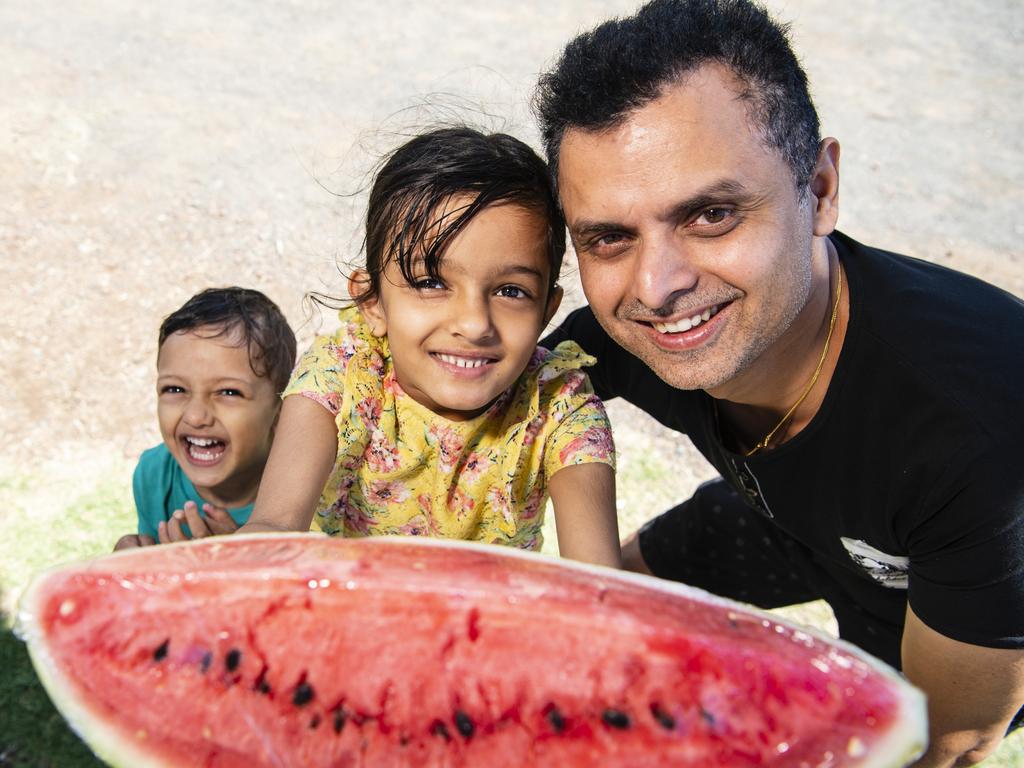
(967, 563)
(151, 482)
(582, 433)
(320, 373)
(326, 370)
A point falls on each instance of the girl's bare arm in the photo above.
(585, 517)
(301, 459)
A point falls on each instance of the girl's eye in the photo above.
(512, 292)
(231, 392)
(171, 389)
(427, 284)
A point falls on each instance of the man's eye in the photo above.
(714, 215)
(609, 240)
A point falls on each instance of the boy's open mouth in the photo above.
(203, 450)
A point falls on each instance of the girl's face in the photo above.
(460, 341)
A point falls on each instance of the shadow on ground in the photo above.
(32, 732)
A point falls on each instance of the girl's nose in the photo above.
(471, 318)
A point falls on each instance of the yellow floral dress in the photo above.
(402, 469)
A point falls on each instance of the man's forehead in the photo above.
(695, 133)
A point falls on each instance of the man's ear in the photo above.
(359, 285)
(554, 300)
(824, 187)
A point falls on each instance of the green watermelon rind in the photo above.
(899, 747)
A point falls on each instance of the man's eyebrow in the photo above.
(718, 192)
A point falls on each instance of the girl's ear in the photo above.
(554, 300)
(359, 285)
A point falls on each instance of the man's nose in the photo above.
(662, 270)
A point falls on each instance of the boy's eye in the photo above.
(171, 389)
(232, 392)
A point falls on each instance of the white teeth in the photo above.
(687, 322)
(463, 362)
(200, 441)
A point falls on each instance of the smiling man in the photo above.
(862, 407)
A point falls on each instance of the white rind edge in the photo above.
(897, 749)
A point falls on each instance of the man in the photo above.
(862, 407)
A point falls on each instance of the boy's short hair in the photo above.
(264, 330)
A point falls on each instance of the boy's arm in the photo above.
(301, 460)
(583, 496)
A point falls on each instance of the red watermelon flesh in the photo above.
(301, 650)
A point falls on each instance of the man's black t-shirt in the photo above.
(908, 482)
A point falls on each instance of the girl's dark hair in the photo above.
(266, 334)
(421, 178)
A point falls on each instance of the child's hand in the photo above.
(131, 540)
(216, 522)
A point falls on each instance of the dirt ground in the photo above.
(150, 150)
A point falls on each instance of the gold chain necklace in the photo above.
(814, 378)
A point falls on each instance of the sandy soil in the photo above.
(150, 150)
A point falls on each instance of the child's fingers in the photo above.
(128, 541)
(218, 520)
(196, 524)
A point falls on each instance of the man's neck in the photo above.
(752, 404)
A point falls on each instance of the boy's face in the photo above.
(216, 415)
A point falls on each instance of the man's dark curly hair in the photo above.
(264, 331)
(606, 74)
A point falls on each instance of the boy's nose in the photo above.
(198, 413)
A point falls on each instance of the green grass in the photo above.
(65, 518)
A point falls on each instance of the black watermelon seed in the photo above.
(232, 660)
(206, 662)
(303, 694)
(161, 652)
(556, 719)
(665, 720)
(615, 719)
(440, 729)
(339, 719)
(707, 717)
(464, 724)
(314, 723)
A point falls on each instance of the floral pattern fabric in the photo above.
(402, 469)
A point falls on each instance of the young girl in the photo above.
(432, 411)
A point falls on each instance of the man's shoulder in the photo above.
(933, 337)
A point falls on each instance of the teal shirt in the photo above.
(160, 487)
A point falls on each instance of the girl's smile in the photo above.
(458, 342)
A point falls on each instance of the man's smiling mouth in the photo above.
(688, 323)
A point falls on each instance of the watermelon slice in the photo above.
(303, 650)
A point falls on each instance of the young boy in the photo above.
(222, 361)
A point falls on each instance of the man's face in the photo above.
(694, 245)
